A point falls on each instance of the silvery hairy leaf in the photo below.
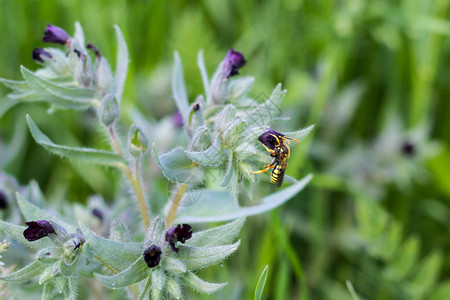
(119, 231)
(220, 235)
(179, 89)
(44, 87)
(239, 87)
(217, 206)
(173, 288)
(121, 64)
(263, 113)
(212, 157)
(133, 274)
(199, 257)
(117, 255)
(173, 266)
(203, 72)
(178, 167)
(82, 154)
(26, 273)
(201, 286)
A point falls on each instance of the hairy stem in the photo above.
(133, 178)
(175, 201)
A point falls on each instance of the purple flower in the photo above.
(179, 233)
(37, 230)
(232, 63)
(268, 138)
(178, 119)
(152, 256)
(3, 201)
(408, 148)
(55, 34)
(39, 53)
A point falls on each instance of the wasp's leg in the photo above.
(278, 140)
(269, 150)
(263, 170)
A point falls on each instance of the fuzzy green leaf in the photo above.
(173, 288)
(159, 279)
(218, 206)
(173, 266)
(265, 112)
(26, 273)
(200, 285)
(240, 87)
(16, 85)
(216, 236)
(33, 213)
(121, 64)
(82, 154)
(16, 233)
(67, 268)
(261, 283)
(117, 255)
(300, 134)
(133, 274)
(404, 261)
(47, 291)
(43, 86)
(179, 89)
(177, 167)
(200, 257)
(146, 288)
(203, 72)
(119, 231)
(212, 157)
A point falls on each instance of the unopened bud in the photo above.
(109, 110)
(137, 141)
(103, 77)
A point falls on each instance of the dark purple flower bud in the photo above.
(179, 233)
(39, 53)
(37, 230)
(3, 201)
(232, 63)
(408, 148)
(98, 213)
(178, 119)
(55, 34)
(195, 107)
(152, 256)
(268, 138)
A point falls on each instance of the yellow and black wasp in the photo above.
(277, 144)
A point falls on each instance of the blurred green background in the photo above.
(373, 76)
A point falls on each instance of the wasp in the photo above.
(277, 144)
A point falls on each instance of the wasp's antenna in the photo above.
(292, 139)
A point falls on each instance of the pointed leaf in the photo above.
(265, 112)
(146, 289)
(16, 85)
(117, 255)
(26, 273)
(177, 167)
(200, 257)
(79, 34)
(261, 283)
(119, 231)
(67, 268)
(406, 258)
(200, 285)
(212, 157)
(33, 213)
(220, 235)
(300, 134)
(203, 72)
(16, 233)
(133, 274)
(47, 291)
(240, 87)
(173, 266)
(121, 64)
(218, 206)
(179, 89)
(159, 278)
(173, 288)
(43, 86)
(82, 154)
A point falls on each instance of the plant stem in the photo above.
(133, 178)
(175, 201)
